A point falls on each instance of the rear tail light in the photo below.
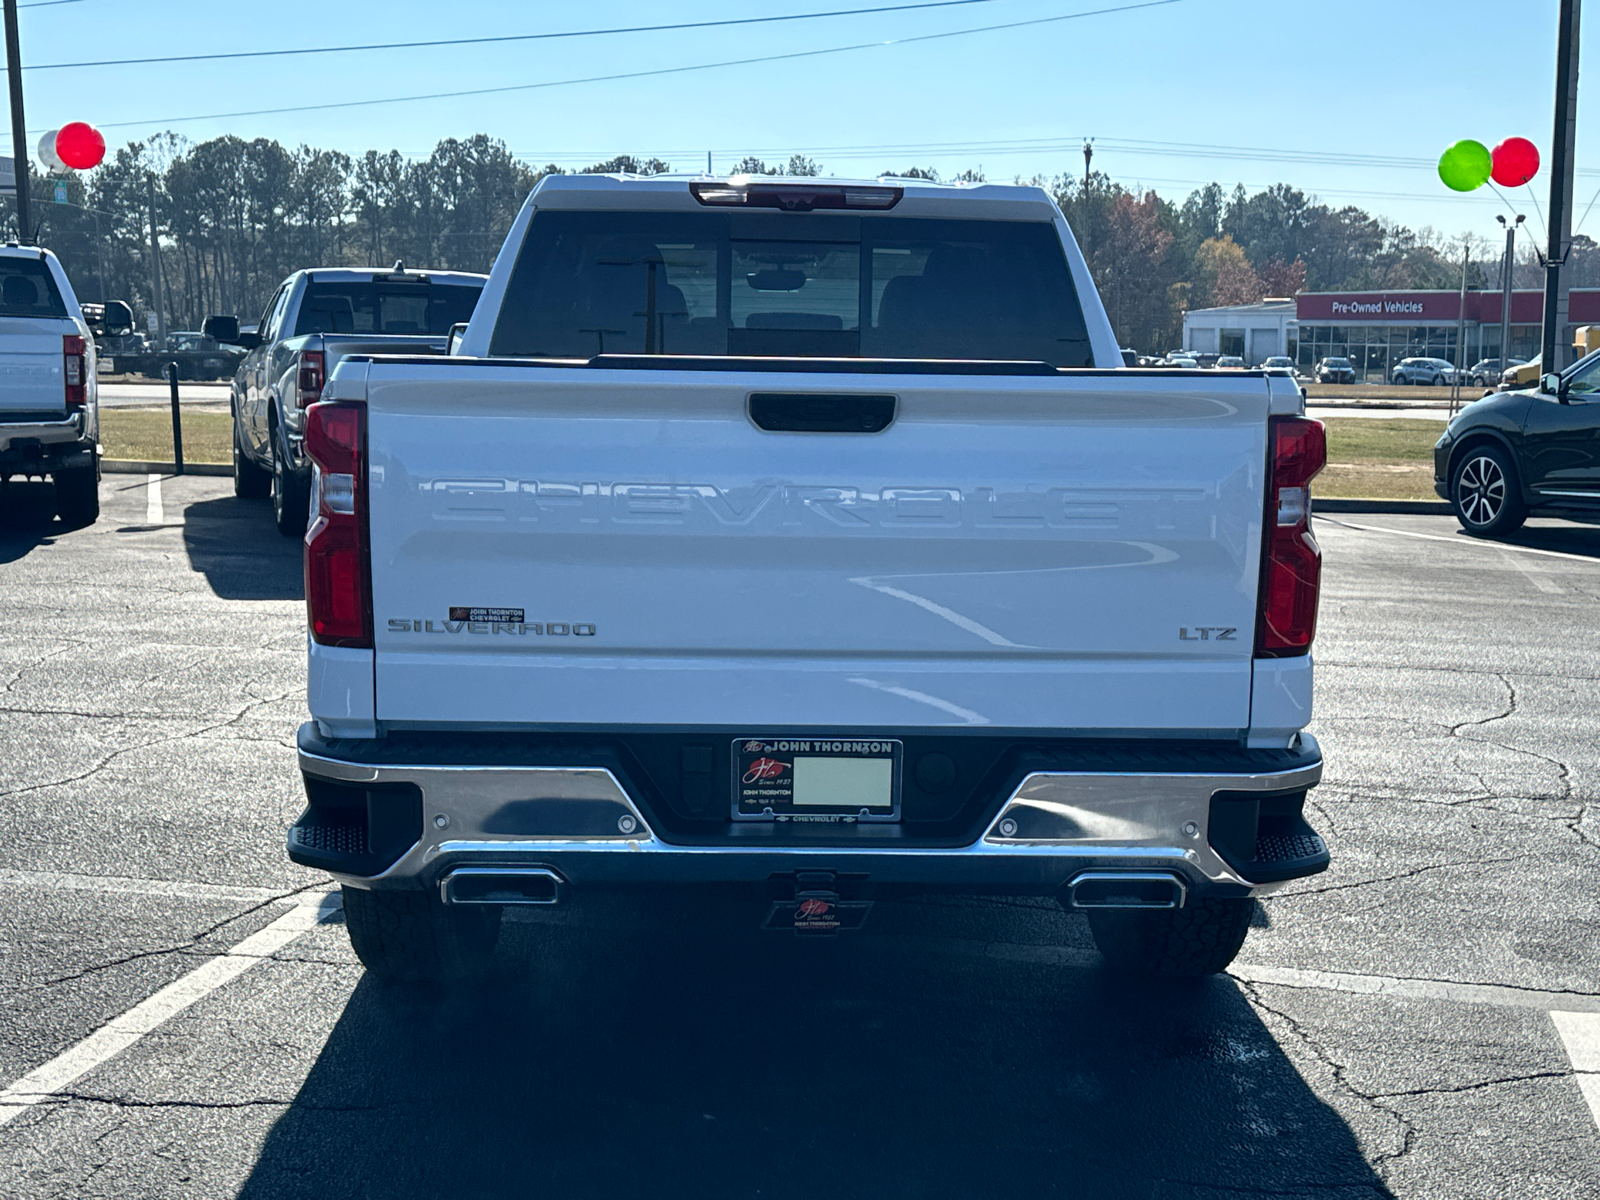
(311, 378)
(338, 567)
(75, 369)
(1291, 566)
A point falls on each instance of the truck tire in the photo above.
(78, 495)
(250, 482)
(1486, 493)
(1201, 938)
(412, 937)
(290, 502)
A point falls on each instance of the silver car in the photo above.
(1435, 372)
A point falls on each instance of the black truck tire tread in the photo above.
(250, 482)
(78, 496)
(291, 502)
(1201, 938)
(411, 937)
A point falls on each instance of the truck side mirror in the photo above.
(222, 329)
(1551, 385)
(457, 332)
(118, 318)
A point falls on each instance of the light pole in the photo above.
(1088, 154)
(1506, 268)
(19, 127)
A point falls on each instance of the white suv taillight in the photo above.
(1291, 561)
(75, 369)
(338, 569)
(310, 378)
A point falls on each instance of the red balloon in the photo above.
(80, 146)
(1516, 160)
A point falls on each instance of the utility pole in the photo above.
(155, 266)
(1562, 149)
(1088, 155)
(1507, 269)
(19, 127)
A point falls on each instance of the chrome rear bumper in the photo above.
(580, 824)
(45, 433)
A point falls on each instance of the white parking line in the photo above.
(1580, 1035)
(153, 512)
(1463, 540)
(122, 1032)
(1535, 575)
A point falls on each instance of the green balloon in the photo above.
(1465, 166)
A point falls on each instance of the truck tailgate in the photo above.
(1070, 552)
(31, 365)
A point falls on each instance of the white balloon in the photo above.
(47, 154)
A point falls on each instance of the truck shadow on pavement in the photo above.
(699, 1060)
(1567, 537)
(27, 517)
(235, 545)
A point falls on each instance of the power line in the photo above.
(622, 75)
(48, 3)
(514, 37)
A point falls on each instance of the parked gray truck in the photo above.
(316, 318)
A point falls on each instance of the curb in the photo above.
(128, 466)
(1433, 507)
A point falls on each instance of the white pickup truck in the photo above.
(809, 538)
(49, 402)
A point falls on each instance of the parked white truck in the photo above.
(810, 538)
(49, 402)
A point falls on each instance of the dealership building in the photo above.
(1375, 330)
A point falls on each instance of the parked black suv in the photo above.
(1336, 370)
(1512, 454)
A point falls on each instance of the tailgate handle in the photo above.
(801, 412)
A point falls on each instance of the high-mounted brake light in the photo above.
(1291, 561)
(739, 191)
(308, 388)
(338, 567)
(75, 369)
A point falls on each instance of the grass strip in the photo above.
(1376, 458)
(146, 435)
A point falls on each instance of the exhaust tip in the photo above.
(500, 885)
(1126, 889)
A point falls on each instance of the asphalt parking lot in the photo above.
(181, 1016)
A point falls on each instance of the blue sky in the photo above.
(1322, 88)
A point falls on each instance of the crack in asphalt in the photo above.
(177, 737)
(72, 644)
(1473, 983)
(188, 947)
(1376, 1102)
(1502, 1081)
(1323, 663)
(1511, 708)
(1361, 883)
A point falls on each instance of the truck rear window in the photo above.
(27, 289)
(362, 307)
(789, 285)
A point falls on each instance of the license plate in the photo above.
(832, 780)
